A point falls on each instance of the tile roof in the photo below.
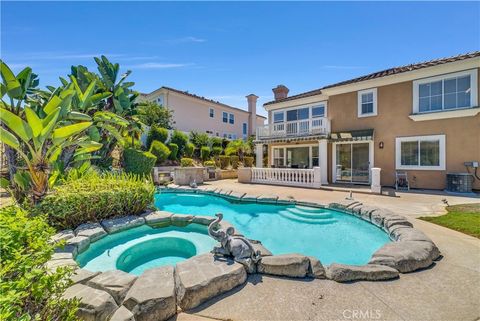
(186, 93)
(383, 73)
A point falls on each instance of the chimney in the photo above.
(280, 92)
(252, 114)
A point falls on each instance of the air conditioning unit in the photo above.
(459, 182)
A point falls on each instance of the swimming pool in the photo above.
(141, 248)
(329, 235)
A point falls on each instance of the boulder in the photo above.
(394, 220)
(343, 204)
(406, 256)
(62, 256)
(122, 223)
(122, 314)
(409, 234)
(82, 276)
(205, 276)
(366, 212)
(267, 198)
(62, 236)
(377, 217)
(94, 231)
(152, 296)
(369, 272)
(115, 282)
(292, 265)
(95, 304)
(158, 218)
(181, 219)
(315, 268)
(258, 246)
(80, 242)
(203, 220)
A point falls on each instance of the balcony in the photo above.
(291, 129)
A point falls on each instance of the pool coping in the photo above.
(410, 249)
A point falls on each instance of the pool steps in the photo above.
(310, 216)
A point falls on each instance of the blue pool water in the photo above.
(329, 235)
(142, 248)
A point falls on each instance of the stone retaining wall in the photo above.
(156, 294)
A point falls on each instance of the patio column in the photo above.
(259, 155)
(323, 160)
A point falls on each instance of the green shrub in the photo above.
(186, 162)
(181, 139)
(156, 133)
(28, 290)
(224, 161)
(138, 162)
(96, 197)
(205, 153)
(209, 163)
(189, 150)
(234, 160)
(173, 151)
(248, 161)
(216, 141)
(199, 139)
(160, 151)
(217, 150)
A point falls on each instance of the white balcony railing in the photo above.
(307, 127)
(287, 176)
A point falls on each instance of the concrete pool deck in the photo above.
(448, 291)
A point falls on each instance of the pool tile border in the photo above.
(409, 250)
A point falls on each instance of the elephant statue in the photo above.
(238, 247)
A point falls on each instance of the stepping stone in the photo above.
(82, 276)
(158, 218)
(122, 223)
(291, 265)
(94, 231)
(406, 256)
(152, 296)
(369, 272)
(116, 282)
(95, 305)
(205, 276)
(122, 314)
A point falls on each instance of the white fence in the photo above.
(314, 126)
(287, 176)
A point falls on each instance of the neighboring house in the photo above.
(195, 113)
(421, 118)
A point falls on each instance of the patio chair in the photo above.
(401, 181)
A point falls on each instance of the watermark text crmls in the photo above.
(360, 314)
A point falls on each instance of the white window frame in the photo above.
(231, 119)
(309, 106)
(223, 117)
(473, 73)
(211, 112)
(442, 151)
(359, 102)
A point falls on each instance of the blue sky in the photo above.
(226, 50)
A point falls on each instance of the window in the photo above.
(367, 102)
(447, 92)
(297, 114)
(234, 136)
(160, 100)
(318, 111)
(278, 117)
(420, 152)
(244, 128)
(225, 117)
(211, 112)
(315, 156)
(278, 157)
(232, 119)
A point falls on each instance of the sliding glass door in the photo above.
(352, 162)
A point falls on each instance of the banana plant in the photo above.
(41, 138)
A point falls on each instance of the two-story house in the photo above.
(422, 119)
(196, 113)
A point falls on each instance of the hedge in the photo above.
(186, 162)
(156, 133)
(209, 163)
(173, 151)
(160, 151)
(205, 153)
(138, 162)
(217, 150)
(29, 290)
(248, 161)
(95, 197)
(181, 139)
(224, 162)
(234, 160)
(189, 150)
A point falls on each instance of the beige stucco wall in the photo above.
(192, 114)
(393, 108)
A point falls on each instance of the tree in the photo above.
(238, 147)
(152, 114)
